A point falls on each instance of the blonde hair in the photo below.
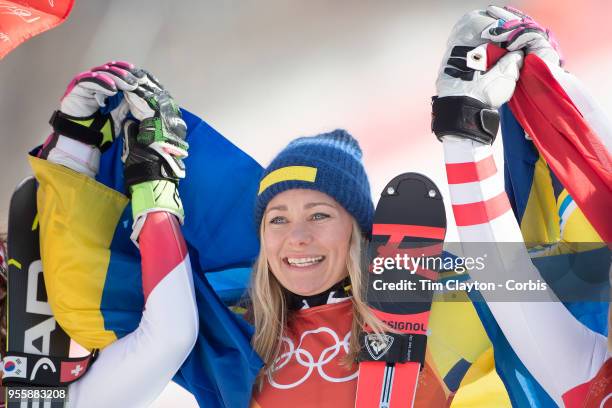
(269, 307)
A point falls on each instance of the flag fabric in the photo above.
(23, 19)
(460, 351)
(85, 224)
(557, 177)
(570, 134)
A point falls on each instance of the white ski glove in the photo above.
(515, 30)
(79, 116)
(462, 72)
(468, 93)
(81, 129)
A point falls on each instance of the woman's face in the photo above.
(306, 239)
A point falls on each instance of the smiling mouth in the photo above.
(304, 262)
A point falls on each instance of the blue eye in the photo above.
(319, 216)
(278, 220)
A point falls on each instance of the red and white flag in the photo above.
(23, 19)
(71, 370)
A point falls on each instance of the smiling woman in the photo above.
(314, 211)
(306, 238)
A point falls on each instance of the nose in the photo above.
(299, 235)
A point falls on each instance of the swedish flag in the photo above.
(96, 291)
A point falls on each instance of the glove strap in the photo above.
(464, 116)
(69, 126)
(141, 162)
(393, 347)
(145, 171)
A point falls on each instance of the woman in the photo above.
(313, 210)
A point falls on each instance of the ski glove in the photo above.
(79, 116)
(468, 93)
(162, 128)
(153, 151)
(149, 179)
(515, 30)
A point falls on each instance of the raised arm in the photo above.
(559, 351)
(133, 370)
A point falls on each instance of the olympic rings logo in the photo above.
(307, 360)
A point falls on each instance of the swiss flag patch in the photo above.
(71, 370)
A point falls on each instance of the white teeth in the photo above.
(304, 261)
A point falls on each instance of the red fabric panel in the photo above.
(482, 211)
(570, 147)
(23, 19)
(600, 388)
(469, 172)
(595, 393)
(494, 53)
(162, 248)
(575, 397)
(310, 370)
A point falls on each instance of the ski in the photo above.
(409, 223)
(33, 334)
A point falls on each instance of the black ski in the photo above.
(410, 222)
(33, 333)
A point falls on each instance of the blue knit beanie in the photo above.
(330, 163)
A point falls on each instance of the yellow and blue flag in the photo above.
(562, 242)
(94, 277)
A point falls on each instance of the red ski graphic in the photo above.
(408, 232)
